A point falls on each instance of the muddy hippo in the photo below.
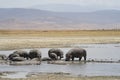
(76, 53)
(53, 56)
(18, 59)
(35, 54)
(22, 53)
(58, 52)
(11, 56)
(18, 53)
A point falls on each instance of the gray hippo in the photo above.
(11, 56)
(58, 52)
(35, 54)
(18, 53)
(53, 56)
(76, 53)
(18, 59)
(22, 53)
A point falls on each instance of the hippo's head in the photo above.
(67, 57)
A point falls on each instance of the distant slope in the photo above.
(60, 7)
(18, 18)
(69, 7)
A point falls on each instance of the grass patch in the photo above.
(58, 33)
(17, 39)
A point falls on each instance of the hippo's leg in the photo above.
(72, 58)
(80, 58)
(84, 58)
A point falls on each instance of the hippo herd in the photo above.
(53, 54)
(21, 55)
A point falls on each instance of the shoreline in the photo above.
(59, 76)
(58, 62)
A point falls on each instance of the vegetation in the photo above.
(17, 39)
(62, 76)
(58, 33)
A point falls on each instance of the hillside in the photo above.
(18, 18)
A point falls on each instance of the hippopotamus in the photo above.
(76, 53)
(18, 53)
(58, 52)
(35, 54)
(53, 56)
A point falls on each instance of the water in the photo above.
(94, 51)
(88, 69)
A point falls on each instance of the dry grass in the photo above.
(58, 33)
(66, 77)
(15, 39)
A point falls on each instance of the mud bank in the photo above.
(76, 62)
(62, 76)
(58, 62)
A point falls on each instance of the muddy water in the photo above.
(108, 52)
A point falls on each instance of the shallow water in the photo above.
(110, 52)
(94, 51)
(83, 69)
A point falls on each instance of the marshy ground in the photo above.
(25, 39)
